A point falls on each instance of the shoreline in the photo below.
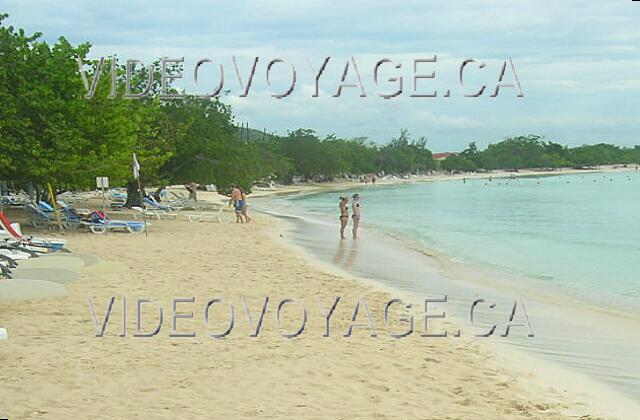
(601, 397)
(448, 263)
(305, 378)
(495, 277)
(343, 184)
(569, 304)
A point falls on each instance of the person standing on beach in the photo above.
(192, 187)
(243, 195)
(355, 210)
(238, 204)
(344, 215)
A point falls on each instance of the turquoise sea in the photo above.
(578, 232)
(569, 244)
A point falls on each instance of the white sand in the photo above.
(53, 365)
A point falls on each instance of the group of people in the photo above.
(344, 214)
(239, 201)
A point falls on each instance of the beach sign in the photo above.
(102, 181)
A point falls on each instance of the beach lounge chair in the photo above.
(158, 211)
(77, 210)
(71, 197)
(182, 202)
(14, 200)
(206, 205)
(185, 203)
(13, 230)
(69, 215)
(206, 217)
(14, 254)
(7, 263)
(118, 200)
(100, 225)
(152, 214)
(44, 206)
(126, 225)
(29, 265)
(41, 218)
(4, 270)
(10, 256)
(14, 245)
(153, 204)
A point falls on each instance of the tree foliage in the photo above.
(533, 152)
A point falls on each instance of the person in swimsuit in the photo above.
(355, 210)
(238, 203)
(247, 219)
(344, 215)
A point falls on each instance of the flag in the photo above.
(136, 167)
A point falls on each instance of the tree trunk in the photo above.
(134, 196)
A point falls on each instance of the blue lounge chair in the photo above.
(41, 218)
(156, 206)
(100, 225)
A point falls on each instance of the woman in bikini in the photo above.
(344, 215)
(355, 209)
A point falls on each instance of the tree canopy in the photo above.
(533, 152)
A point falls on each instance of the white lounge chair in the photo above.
(12, 230)
(148, 213)
(206, 217)
(126, 225)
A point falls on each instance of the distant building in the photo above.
(442, 156)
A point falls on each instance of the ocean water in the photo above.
(569, 245)
(577, 234)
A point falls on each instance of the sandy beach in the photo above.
(54, 366)
(307, 211)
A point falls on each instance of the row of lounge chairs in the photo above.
(43, 215)
(21, 198)
(14, 200)
(11, 233)
(169, 210)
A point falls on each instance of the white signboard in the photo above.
(102, 182)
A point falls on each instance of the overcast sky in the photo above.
(578, 62)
